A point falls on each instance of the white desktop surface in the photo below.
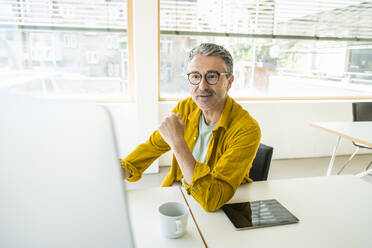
(358, 131)
(143, 209)
(333, 211)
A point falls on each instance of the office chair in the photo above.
(261, 163)
(362, 111)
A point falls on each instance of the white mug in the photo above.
(173, 219)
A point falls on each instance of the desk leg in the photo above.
(365, 173)
(330, 166)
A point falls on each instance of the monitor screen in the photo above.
(60, 176)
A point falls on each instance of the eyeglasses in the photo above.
(211, 77)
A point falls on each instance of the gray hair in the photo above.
(210, 49)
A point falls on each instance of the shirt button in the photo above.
(194, 138)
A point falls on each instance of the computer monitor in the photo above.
(60, 176)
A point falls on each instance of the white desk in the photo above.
(360, 132)
(333, 211)
(143, 209)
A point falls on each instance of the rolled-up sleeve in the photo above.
(212, 188)
(144, 155)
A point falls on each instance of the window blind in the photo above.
(305, 19)
(65, 14)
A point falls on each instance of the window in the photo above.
(282, 49)
(63, 48)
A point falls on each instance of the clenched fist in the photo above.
(172, 130)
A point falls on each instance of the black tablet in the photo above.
(255, 214)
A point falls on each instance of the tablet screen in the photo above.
(255, 214)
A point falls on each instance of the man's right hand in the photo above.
(126, 174)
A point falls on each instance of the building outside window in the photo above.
(59, 48)
(281, 49)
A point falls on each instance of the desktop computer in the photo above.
(60, 176)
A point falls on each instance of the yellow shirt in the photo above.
(231, 150)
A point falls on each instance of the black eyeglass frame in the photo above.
(205, 76)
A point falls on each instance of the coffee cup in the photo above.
(173, 219)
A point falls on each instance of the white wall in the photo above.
(125, 120)
(285, 126)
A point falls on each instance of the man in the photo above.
(214, 140)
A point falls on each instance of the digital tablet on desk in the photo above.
(256, 214)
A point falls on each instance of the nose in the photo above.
(203, 84)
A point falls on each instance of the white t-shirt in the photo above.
(201, 146)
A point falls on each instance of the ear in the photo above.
(230, 81)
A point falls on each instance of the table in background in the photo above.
(333, 211)
(357, 131)
(144, 215)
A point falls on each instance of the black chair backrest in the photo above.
(362, 111)
(261, 163)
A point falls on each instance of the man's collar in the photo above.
(224, 118)
(225, 115)
(194, 116)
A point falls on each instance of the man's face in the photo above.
(209, 97)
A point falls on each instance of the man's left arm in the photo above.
(213, 188)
